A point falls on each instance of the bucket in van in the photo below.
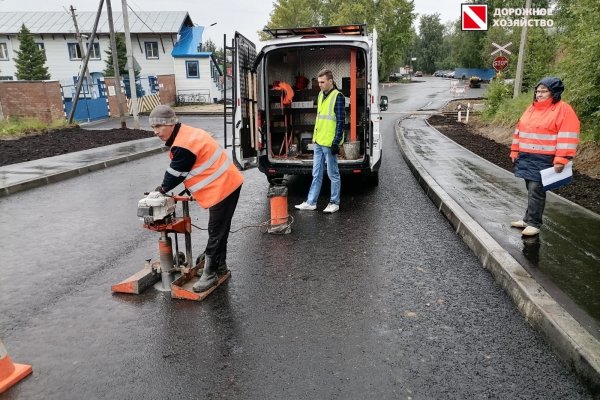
(352, 150)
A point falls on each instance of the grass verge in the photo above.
(506, 111)
(14, 128)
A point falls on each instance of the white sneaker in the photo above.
(519, 224)
(530, 231)
(331, 208)
(306, 206)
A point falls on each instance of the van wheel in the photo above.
(271, 178)
(373, 179)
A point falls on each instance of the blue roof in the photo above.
(189, 43)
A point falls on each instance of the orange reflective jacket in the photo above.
(213, 176)
(288, 91)
(549, 129)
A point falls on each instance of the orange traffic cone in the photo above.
(10, 373)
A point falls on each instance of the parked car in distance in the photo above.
(439, 72)
(418, 73)
(383, 103)
(449, 74)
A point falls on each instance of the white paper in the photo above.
(550, 177)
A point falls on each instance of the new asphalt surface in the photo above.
(476, 197)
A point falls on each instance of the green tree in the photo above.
(541, 51)
(410, 51)
(578, 63)
(391, 18)
(109, 70)
(429, 43)
(30, 60)
(466, 48)
(293, 13)
(218, 53)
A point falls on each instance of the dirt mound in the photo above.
(34, 147)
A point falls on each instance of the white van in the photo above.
(275, 134)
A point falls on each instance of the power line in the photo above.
(143, 22)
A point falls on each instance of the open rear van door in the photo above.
(245, 108)
(374, 135)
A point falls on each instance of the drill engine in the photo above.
(156, 208)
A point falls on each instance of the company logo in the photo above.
(474, 17)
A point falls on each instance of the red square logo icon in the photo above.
(474, 17)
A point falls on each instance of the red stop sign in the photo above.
(500, 63)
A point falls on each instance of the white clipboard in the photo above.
(552, 180)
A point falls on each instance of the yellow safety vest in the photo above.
(326, 120)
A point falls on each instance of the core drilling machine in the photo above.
(177, 275)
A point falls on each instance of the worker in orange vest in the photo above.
(209, 175)
(546, 136)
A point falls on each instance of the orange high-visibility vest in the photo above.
(213, 176)
(286, 88)
(549, 129)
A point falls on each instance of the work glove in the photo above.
(335, 149)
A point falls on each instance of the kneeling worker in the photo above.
(201, 164)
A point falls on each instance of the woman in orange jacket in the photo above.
(546, 136)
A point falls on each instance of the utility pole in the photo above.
(521, 58)
(132, 88)
(82, 49)
(85, 63)
(115, 57)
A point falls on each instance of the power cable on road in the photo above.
(266, 224)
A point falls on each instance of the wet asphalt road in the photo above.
(380, 300)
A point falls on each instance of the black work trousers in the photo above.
(536, 202)
(219, 224)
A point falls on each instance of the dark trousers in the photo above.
(219, 224)
(536, 201)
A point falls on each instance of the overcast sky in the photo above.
(244, 16)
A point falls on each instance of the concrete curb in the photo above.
(573, 344)
(60, 176)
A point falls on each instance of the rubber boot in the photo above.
(221, 264)
(209, 276)
(222, 268)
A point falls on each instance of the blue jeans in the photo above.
(536, 201)
(321, 156)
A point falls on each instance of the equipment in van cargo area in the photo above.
(274, 99)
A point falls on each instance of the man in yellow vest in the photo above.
(327, 136)
(208, 173)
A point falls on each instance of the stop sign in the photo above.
(500, 63)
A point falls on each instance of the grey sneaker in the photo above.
(519, 224)
(331, 208)
(530, 231)
(306, 206)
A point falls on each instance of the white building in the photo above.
(163, 43)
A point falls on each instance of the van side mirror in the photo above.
(383, 103)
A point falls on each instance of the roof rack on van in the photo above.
(358, 29)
